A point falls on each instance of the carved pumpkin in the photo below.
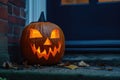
(42, 43)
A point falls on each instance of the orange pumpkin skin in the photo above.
(42, 43)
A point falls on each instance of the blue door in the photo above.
(85, 22)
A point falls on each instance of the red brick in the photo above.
(17, 30)
(13, 40)
(19, 3)
(10, 8)
(16, 11)
(3, 12)
(14, 29)
(16, 20)
(3, 27)
(22, 11)
(4, 1)
(12, 19)
(10, 28)
(21, 21)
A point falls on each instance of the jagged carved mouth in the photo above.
(45, 53)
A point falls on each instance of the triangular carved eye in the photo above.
(35, 34)
(55, 34)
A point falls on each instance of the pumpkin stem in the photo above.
(42, 17)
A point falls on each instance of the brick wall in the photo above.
(12, 22)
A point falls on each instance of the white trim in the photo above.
(33, 10)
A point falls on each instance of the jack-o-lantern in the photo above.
(42, 42)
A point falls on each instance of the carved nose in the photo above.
(47, 42)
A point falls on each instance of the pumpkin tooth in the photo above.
(38, 50)
(52, 48)
(33, 48)
(44, 52)
(59, 47)
(54, 51)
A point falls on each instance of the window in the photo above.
(69, 2)
(108, 0)
(33, 9)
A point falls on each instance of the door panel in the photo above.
(86, 21)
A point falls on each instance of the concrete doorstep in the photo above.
(98, 69)
(57, 73)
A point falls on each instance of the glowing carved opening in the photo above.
(44, 53)
(55, 34)
(47, 42)
(35, 33)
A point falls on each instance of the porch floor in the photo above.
(94, 72)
